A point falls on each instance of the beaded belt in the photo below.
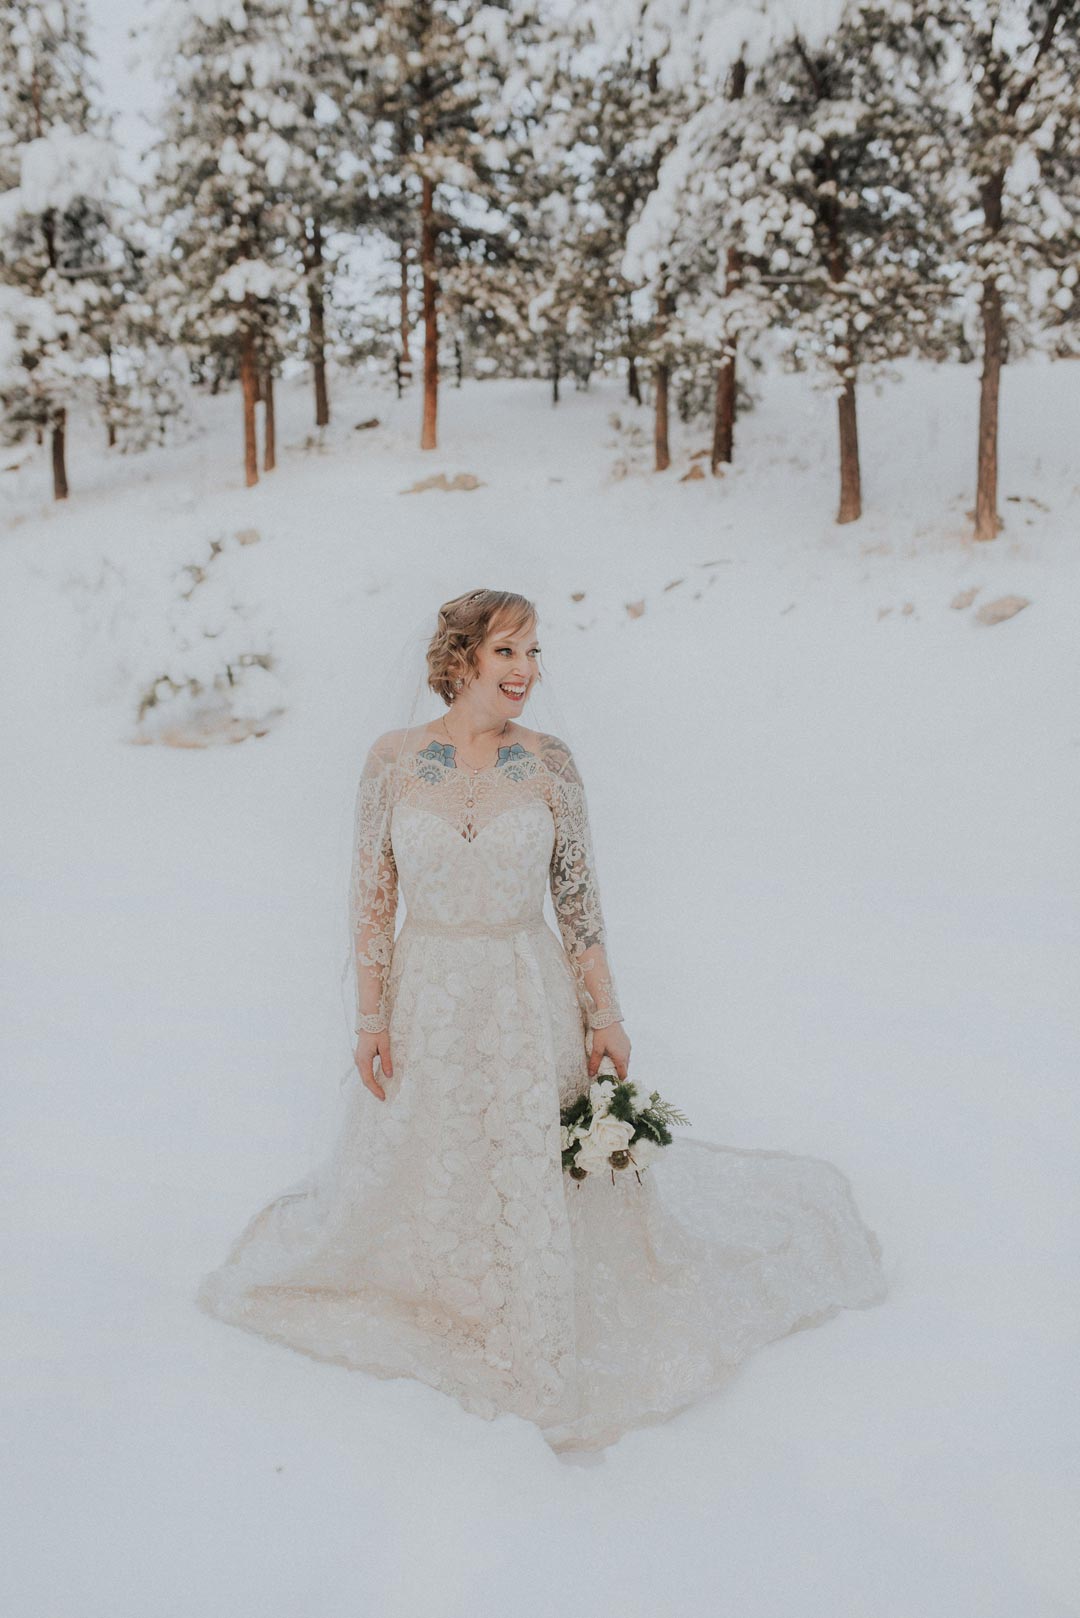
(474, 929)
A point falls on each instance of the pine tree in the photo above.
(571, 310)
(330, 172)
(57, 249)
(1016, 189)
(230, 182)
(615, 119)
(814, 178)
(429, 79)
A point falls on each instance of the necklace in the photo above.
(454, 745)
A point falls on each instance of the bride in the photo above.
(442, 1238)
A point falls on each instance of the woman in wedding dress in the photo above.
(442, 1238)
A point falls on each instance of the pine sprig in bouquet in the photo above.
(615, 1124)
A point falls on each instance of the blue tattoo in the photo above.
(441, 755)
(443, 751)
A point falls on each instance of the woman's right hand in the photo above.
(368, 1046)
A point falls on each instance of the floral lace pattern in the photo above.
(468, 801)
(441, 1239)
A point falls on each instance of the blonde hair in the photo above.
(463, 626)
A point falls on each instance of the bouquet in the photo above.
(615, 1124)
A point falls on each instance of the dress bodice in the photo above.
(471, 850)
(497, 878)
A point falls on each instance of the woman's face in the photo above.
(508, 668)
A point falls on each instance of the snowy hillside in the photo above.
(835, 820)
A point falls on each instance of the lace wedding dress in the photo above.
(441, 1239)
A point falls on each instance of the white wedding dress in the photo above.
(442, 1239)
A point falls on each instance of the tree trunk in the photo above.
(556, 372)
(633, 381)
(405, 362)
(317, 323)
(850, 481)
(723, 442)
(269, 423)
(110, 424)
(850, 476)
(249, 388)
(428, 236)
(459, 363)
(59, 426)
(988, 523)
(59, 457)
(660, 377)
(660, 435)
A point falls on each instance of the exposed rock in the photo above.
(965, 598)
(364, 426)
(439, 480)
(996, 612)
(695, 473)
(247, 536)
(635, 608)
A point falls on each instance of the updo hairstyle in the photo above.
(464, 624)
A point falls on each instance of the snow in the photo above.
(63, 166)
(835, 829)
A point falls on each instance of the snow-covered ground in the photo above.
(835, 821)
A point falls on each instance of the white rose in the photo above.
(642, 1097)
(608, 1134)
(593, 1162)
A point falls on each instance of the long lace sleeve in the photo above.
(574, 890)
(373, 892)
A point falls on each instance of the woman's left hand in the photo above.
(614, 1042)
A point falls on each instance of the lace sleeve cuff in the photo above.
(370, 1022)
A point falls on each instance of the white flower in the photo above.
(643, 1151)
(600, 1092)
(641, 1097)
(591, 1158)
(607, 1134)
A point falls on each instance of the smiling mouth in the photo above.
(515, 693)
